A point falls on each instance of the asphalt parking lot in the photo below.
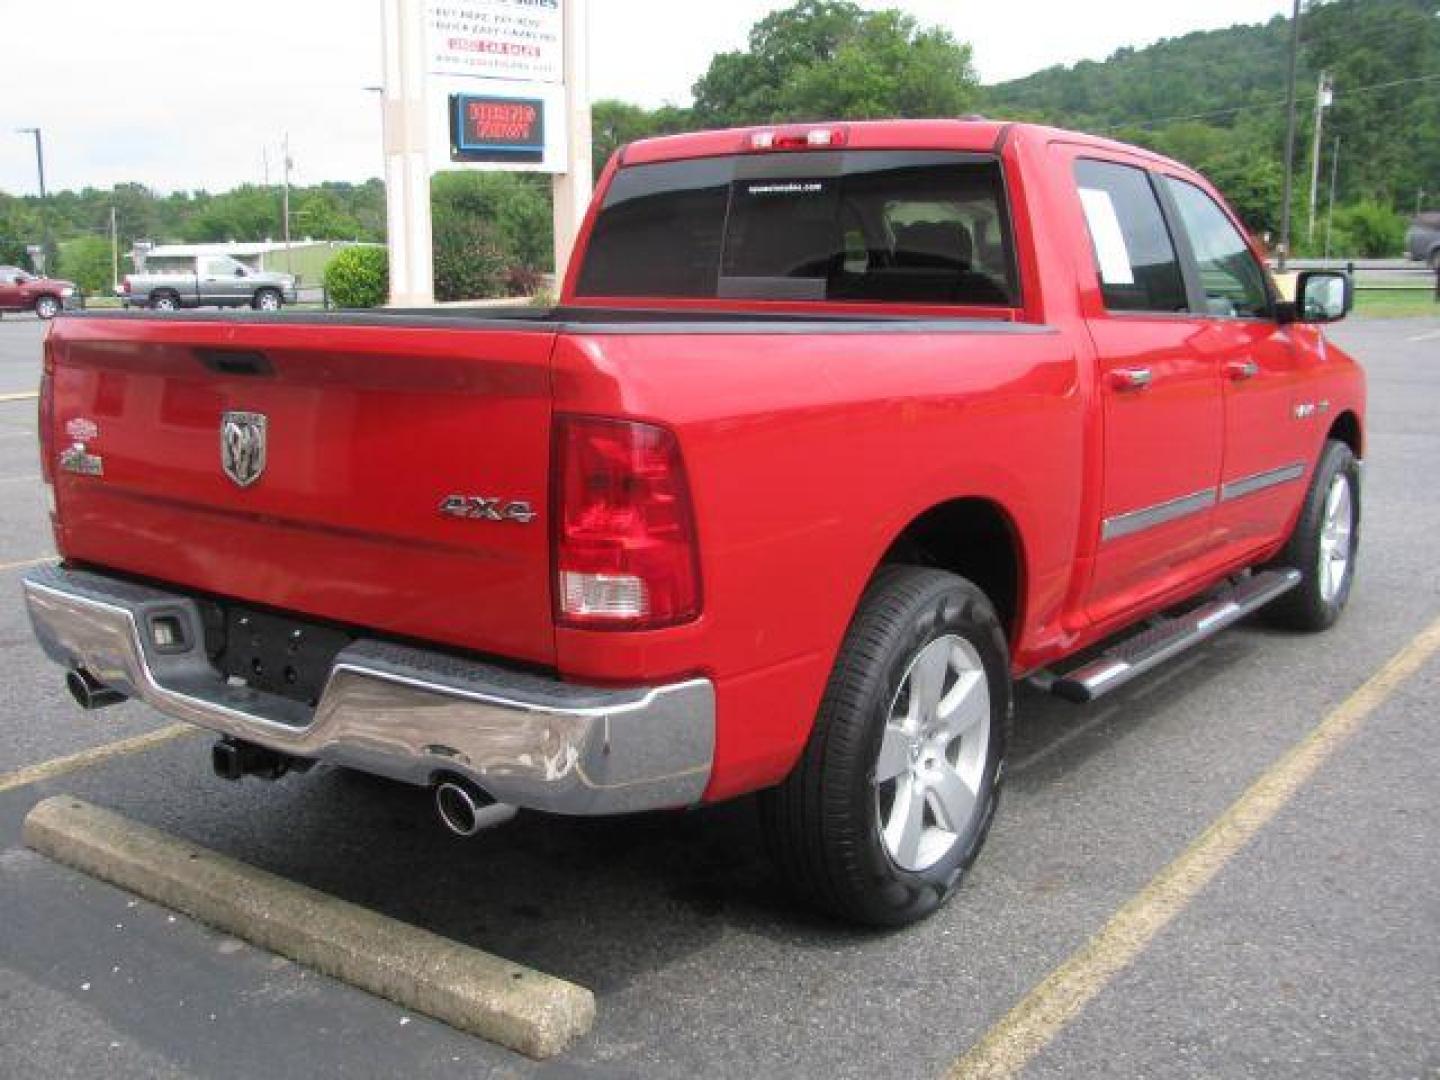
(1313, 951)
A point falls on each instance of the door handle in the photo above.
(1131, 378)
(1239, 370)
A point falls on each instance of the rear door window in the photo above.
(858, 226)
(1134, 253)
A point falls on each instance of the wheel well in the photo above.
(1346, 428)
(973, 538)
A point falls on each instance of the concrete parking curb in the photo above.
(525, 1010)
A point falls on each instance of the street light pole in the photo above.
(44, 217)
(39, 155)
(1289, 138)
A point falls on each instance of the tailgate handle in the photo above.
(236, 362)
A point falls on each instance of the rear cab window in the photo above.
(1135, 255)
(862, 226)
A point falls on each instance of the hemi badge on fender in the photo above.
(82, 430)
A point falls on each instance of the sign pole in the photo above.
(572, 188)
(407, 166)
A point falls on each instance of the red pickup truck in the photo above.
(835, 433)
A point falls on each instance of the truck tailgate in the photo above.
(368, 432)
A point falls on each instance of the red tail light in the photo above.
(47, 410)
(125, 285)
(624, 532)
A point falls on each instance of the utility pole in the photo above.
(1284, 252)
(285, 205)
(114, 249)
(1323, 97)
(1334, 172)
(265, 165)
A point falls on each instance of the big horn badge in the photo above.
(242, 446)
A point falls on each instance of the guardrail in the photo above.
(1375, 274)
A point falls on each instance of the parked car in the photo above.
(836, 432)
(1422, 241)
(45, 296)
(205, 281)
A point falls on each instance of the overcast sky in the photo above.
(192, 99)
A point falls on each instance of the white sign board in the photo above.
(495, 39)
(495, 97)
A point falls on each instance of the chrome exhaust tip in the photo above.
(89, 692)
(465, 810)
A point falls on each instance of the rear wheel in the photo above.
(267, 300)
(892, 799)
(47, 307)
(165, 301)
(1324, 544)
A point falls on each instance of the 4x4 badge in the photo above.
(242, 446)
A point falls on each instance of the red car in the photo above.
(836, 432)
(45, 296)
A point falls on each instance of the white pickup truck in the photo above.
(187, 281)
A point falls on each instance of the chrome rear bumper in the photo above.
(397, 711)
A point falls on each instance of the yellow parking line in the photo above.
(85, 759)
(26, 395)
(24, 564)
(1024, 1031)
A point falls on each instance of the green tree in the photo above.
(514, 207)
(831, 59)
(615, 123)
(321, 215)
(247, 213)
(86, 261)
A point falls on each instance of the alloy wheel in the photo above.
(932, 753)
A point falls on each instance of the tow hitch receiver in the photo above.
(233, 759)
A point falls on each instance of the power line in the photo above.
(1341, 92)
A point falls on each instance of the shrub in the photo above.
(1367, 230)
(470, 261)
(524, 281)
(359, 277)
(515, 205)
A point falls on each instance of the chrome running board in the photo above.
(1169, 636)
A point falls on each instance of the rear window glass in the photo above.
(854, 226)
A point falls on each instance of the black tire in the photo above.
(1311, 606)
(47, 307)
(1434, 260)
(267, 300)
(824, 822)
(164, 301)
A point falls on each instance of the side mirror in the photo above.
(239, 271)
(18, 279)
(1323, 296)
